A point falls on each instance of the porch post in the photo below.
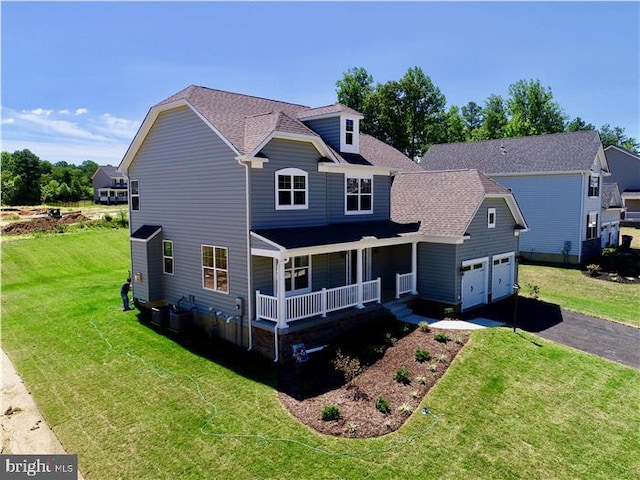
(281, 294)
(359, 279)
(414, 268)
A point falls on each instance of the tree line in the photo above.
(27, 180)
(411, 115)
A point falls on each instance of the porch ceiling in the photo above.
(338, 234)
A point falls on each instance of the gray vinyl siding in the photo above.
(439, 272)
(287, 154)
(328, 129)
(191, 185)
(101, 179)
(336, 199)
(386, 262)
(262, 273)
(552, 206)
(625, 170)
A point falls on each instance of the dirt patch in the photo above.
(43, 224)
(307, 388)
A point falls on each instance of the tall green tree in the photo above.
(26, 171)
(578, 124)
(532, 110)
(354, 88)
(472, 115)
(456, 126)
(617, 137)
(494, 119)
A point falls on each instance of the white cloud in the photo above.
(57, 136)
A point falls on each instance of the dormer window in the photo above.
(349, 134)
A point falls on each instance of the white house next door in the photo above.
(474, 282)
(502, 276)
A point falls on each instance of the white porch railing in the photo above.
(317, 303)
(404, 283)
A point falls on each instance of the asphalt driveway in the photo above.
(611, 340)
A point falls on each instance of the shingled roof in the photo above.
(610, 196)
(561, 152)
(444, 202)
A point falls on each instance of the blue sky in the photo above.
(79, 77)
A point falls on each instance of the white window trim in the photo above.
(292, 172)
(593, 175)
(289, 268)
(490, 224)
(597, 217)
(353, 147)
(134, 195)
(359, 177)
(164, 257)
(215, 270)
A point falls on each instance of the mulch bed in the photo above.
(305, 389)
(43, 224)
(611, 277)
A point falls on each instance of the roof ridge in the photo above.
(248, 95)
(583, 132)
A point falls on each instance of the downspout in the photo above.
(249, 258)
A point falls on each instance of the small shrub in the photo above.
(390, 339)
(533, 290)
(424, 327)
(382, 405)
(123, 219)
(422, 380)
(330, 412)
(422, 355)
(402, 375)
(107, 218)
(433, 367)
(441, 337)
(349, 366)
(415, 394)
(352, 429)
(449, 312)
(593, 269)
(405, 409)
(442, 358)
(459, 340)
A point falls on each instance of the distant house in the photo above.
(271, 223)
(625, 172)
(556, 180)
(612, 209)
(109, 185)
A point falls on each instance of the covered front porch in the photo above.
(312, 272)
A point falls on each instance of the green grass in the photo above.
(572, 290)
(133, 404)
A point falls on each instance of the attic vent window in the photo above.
(503, 150)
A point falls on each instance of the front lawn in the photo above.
(134, 404)
(573, 290)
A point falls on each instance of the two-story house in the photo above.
(109, 185)
(268, 223)
(556, 180)
(625, 172)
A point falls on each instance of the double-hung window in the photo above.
(348, 131)
(592, 225)
(215, 270)
(134, 186)
(358, 195)
(594, 185)
(291, 189)
(167, 256)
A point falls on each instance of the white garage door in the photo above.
(474, 281)
(502, 276)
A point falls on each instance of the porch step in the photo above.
(398, 309)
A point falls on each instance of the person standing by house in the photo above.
(124, 293)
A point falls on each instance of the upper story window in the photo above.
(349, 134)
(358, 195)
(291, 189)
(167, 256)
(135, 195)
(594, 185)
(491, 218)
(215, 271)
(592, 225)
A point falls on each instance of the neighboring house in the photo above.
(625, 171)
(611, 213)
(556, 180)
(268, 222)
(472, 226)
(109, 185)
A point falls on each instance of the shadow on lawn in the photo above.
(532, 315)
